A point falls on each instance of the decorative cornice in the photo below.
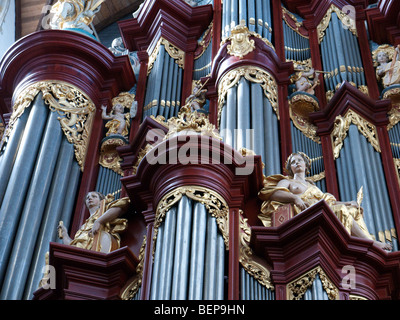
(63, 56)
(349, 97)
(383, 26)
(173, 20)
(316, 238)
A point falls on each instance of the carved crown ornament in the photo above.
(240, 42)
(76, 112)
(342, 125)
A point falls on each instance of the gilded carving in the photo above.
(76, 112)
(205, 41)
(285, 14)
(341, 126)
(174, 52)
(346, 19)
(251, 263)
(297, 288)
(109, 157)
(213, 202)
(300, 106)
(241, 44)
(134, 284)
(252, 74)
(74, 14)
(140, 156)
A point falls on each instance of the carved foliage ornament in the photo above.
(135, 283)
(346, 18)
(342, 125)
(174, 52)
(252, 264)
(213, 202)
(252, 74)
(297, 288)
(76, 112)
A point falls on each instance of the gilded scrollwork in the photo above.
(133, 286)
(213, 202)
(346, 19)
(251, 263)
(173, 51)
(300, 106)
(297, 288)
(252, 74)
(394, 115)
(76, 112)
(191, 122)
(341, 126)
(141, 155)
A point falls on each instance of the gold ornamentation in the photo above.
(318, 177)
(300, 106)
(109, 157)
(141, 155)
(386, 49)
(241, 44)
(356, 297)
(1, 130)
(298, 24)
(189, 122)
(125, 99)
(397, 166)
(135, 283)
(252, 74)
(251, 263)
(342, 125)
(76, 112)
(174, 52)
(347, 21)
(205, 41)
(74, 14)
(214, 203)
(394, 95)
(297, 288)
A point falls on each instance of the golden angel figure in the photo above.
(100, 232)
(302, 193)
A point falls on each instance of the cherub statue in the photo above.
(74, 14)
(197, 99)
(299, 191)
(100, 232)
(388, 69)
(305, 80)
(119, 121)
